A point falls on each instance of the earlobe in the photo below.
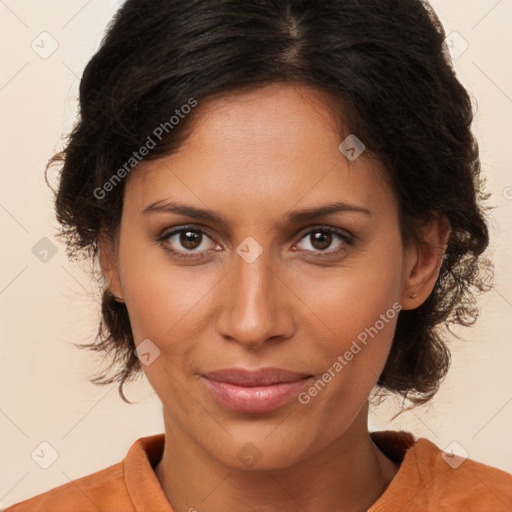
(109, 267)
(424, 262)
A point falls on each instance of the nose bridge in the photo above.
(253, 310)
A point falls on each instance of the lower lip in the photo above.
(255, 399)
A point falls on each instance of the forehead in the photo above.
(277, 144)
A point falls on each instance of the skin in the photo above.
(252, 158)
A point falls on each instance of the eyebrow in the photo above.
(293, 217)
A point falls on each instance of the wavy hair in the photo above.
(387, 73)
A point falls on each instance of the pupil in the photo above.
(187, 242)
(322, 237)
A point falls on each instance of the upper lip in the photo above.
(261, 377)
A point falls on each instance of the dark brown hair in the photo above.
(383, 63)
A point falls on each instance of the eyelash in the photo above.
(347, 238)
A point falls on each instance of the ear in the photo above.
(109, 265)
(423, 262)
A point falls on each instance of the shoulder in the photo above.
(90, 493)
(432, 479)
(128, 485)
(458, 482)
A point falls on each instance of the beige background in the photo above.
(44, 393)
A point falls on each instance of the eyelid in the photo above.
(324, 227)
(168, 232)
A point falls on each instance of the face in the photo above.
(248, 284)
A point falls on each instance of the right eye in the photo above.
(192, 241)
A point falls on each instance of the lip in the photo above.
(258, 391)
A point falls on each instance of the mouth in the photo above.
(258, 391)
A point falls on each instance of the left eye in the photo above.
(322, 238)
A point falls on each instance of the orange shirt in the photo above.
(428, 480)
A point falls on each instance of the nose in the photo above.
(257, 304)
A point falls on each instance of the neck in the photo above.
(348, 475)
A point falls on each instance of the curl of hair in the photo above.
(383, 68)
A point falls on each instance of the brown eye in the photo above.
(321, 239)
(190, 239)
(187, 243)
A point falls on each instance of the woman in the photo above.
(284, 198)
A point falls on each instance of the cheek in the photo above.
(162, 302)
(357, 308)
(353, 298)
(161, 296)
(361, 315)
